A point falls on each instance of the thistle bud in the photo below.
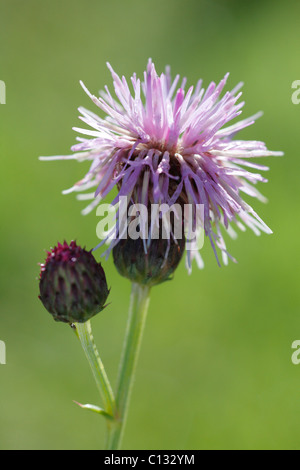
(73, 285)
(151, 267)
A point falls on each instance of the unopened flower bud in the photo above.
(152, 267)
(73, 285)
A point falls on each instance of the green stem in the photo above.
(137, 316)
(84, 331)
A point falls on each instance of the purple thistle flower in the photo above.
(161, 144)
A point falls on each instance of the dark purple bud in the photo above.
(73, 285)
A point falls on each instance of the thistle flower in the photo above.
(73, 285)
(163, 144)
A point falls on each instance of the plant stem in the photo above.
(84, 331)
(139, 303)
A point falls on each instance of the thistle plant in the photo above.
(159, 144)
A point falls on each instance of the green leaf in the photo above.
(95, 409)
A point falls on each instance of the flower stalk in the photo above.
(139, 303)
(85, 335)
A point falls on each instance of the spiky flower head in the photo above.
(161, 143)
(73, 285)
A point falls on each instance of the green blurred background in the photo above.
(215, 370)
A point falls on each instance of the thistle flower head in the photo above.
(155, 266)
(73, 285)
(163, 143)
